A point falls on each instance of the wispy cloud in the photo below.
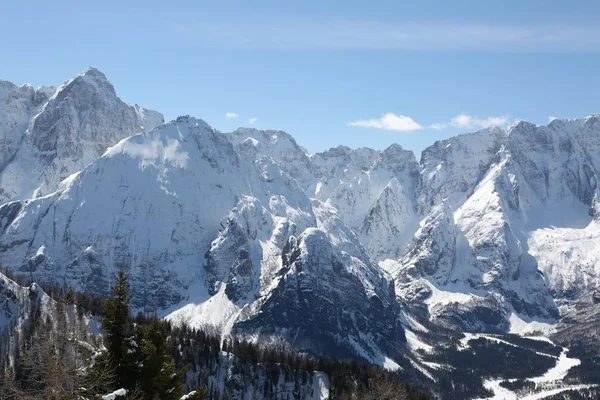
(231, 115)
(466, 121)
(389, 121)
(343, 34)
(438, 126)
(252, 121)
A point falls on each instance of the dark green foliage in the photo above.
(538, 345)
(348, 378)
(589, 369)
(582, 394)
(139, 353)
(118, 328)
(485, 359)
(153, 358)
(519, 384)
(158, 377)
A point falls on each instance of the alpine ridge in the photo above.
(347, 252)
(50, 133)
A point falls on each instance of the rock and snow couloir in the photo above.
(249, 232)
(193, 220)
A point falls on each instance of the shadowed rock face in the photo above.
(323, 307)
(252, 234)
(17, 305)
(187, 208)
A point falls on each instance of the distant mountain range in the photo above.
(347, 253)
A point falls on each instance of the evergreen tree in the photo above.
(118, 330)
(158, 376)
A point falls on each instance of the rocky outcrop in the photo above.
(48, 134)
(248, 232)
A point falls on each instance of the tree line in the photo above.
(56, 355)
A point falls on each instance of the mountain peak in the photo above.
(66, 128)
(192, 121)
(92, 76)
(91, 70)
(395, 150)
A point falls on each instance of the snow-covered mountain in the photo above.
(341, 252)
(17, 302)
(193, 220)
(49, 133)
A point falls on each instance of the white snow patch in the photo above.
(444, 297)
(414, 343)
(320, 386)
(520, 326)
(554, 375)
(423, 370)
(216, 311)
(115, 394)
(559, 371)
(411, 322)
(434, 365)
(390, 364)
(251, 141)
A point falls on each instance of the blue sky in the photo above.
(336, 72)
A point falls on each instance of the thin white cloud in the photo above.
(296, 32)
(252, 121)
(462, 121)
(438, 126)
(231, 115)
(466, 121)
(492, 121)
(389, 121)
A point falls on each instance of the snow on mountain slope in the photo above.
(16, 106)
(557, 219)
(491, 231)
(375, 193)
(19, 306)
(280, 146)
(437, 278)
(207, 230)
(156, 200)
(326, 280)
(519, 242)
(517, 217)
(16, 303)
(497, 242)
(569, 258)
(451, 168)
(48, 134)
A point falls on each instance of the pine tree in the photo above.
(139, 353)
(118, 329)
(158, 376)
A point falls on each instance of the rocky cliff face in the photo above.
(246, 231)
(517, 201)
(50, 133)
(190, 217)
(17, 305)
(451, 168)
